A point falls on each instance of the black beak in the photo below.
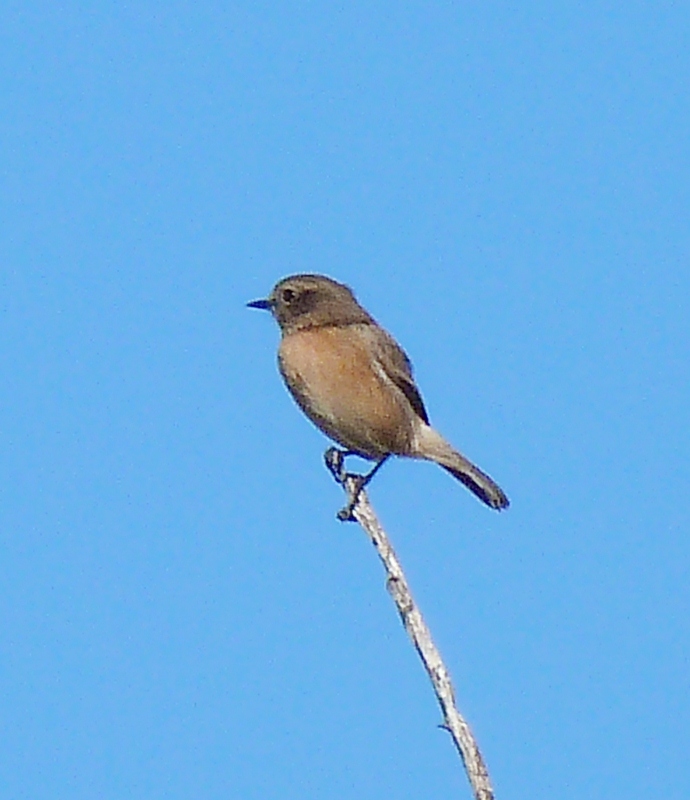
(264, 305)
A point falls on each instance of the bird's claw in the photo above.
(335, 462)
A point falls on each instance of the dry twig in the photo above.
(359, 509)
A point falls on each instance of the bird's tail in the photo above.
(432, 446)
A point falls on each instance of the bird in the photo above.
(355, 383)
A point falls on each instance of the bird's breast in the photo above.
(337, 381)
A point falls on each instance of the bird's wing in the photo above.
(398, 367)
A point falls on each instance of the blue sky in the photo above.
(507, 188)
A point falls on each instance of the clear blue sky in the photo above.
(507, 188)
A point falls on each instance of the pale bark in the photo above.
(417, 629)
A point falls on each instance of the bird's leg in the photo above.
(358, 481)
(366, 478)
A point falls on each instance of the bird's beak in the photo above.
(265, 305)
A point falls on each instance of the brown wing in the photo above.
(398, 368)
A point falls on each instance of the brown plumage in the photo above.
(353, 380)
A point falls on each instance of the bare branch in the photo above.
(360, 509)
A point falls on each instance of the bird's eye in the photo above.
(289, 295)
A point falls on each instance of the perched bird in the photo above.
(354, 381)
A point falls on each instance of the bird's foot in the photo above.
(335, 463)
